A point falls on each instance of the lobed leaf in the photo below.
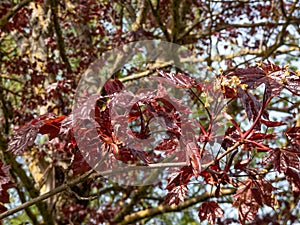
(210, 211)
(250, 195)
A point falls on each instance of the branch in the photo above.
(60, 40)
(13, 11)
(176, 23)
(158, 21)
(147, 213)
(81, 179)
(141, 15)
(46, 195)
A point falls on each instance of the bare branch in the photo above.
(60, 40)
(147, 213)
(141, 16)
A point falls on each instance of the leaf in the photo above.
(168, 145)
(114, 86)
(251, 105)
(210, 211)
(130, 156)
(293, 135)
(52, 126)
(284, 158)
(179, 80)
(272, 123)
(177, 185)
(25, 136)
(250, 195)
(274, 77)
(79, 165)
(176, 195)
(4, 178)
(193, 153)
(181, 177)
(293, 176)
(231, 134)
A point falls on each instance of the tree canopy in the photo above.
(149, 112)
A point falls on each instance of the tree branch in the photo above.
(141, 15)
(60, 40)
(147, 213)
(158, 21)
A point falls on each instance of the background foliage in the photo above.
(46, 45)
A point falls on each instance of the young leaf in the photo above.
(179, 80)
(250, 195)
(210, 211)
(293, 135)
(176, 195)
(177, 185)
(284, 158)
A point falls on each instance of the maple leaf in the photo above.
(210, 211)
(272, 123)
(293, 135)
(231, 135)
(177, 185)
(293, 176)
(176, 195)
(251, 105)
(4, 178)
(193, 154)
(179, 80)
(168, 145)
(129, 155)
(274, 77)
(52, 126)
(114, 86)
(284, 158)
(250, 195)
(26, 135)
(79, 165)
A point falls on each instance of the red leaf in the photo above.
(5, 184)
(52, 126)
(114, 86)
(26, 135)
(250, 196)
(284, 158)
(293, 135)
(251, 105)
(231, 134)
(261, 136)
(79, 165)
(272, 123)
(4, 178)
(179, 80)
(129, 155)
(182, 177)
(176, 195)
(193, 152)
(168, 145)
(293, 176)
(210, 211)
(177, 185)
